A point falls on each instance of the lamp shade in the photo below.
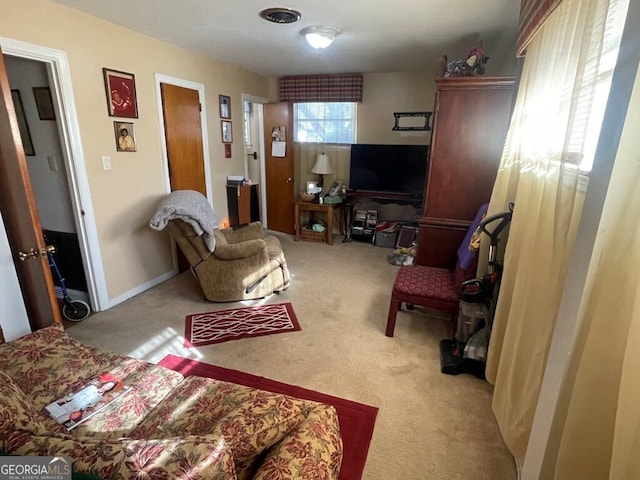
(322, 165)
(320, 36)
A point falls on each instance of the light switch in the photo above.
(106, 162)
(53, 163)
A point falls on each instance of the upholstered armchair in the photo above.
(244, 264)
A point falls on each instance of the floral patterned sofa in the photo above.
(167, 426)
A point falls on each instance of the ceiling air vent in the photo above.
(281, 15)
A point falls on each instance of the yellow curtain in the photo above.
(554, 118)
(596, 429)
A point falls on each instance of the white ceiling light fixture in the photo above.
(320, 36)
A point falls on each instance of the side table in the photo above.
(328, 208)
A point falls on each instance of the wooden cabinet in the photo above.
(471, 118)
(243, 204)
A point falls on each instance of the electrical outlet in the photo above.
(106, 162)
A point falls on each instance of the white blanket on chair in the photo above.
(191, 207)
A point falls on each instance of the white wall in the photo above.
(14, 319)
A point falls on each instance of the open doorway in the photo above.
(31, 93)
(66, 159)
(253, 126)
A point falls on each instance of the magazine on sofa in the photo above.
(77, 407)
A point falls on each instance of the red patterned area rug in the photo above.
(356, 419)
(224, 325)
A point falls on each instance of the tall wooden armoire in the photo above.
(471, 118)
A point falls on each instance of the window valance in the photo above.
(533, 13)
(321, 88)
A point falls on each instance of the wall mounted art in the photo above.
(121, 93)
(411, 121)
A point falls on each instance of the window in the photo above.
(329, 122)
(587, 123)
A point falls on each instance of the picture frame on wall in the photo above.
(120, 88)
(227, 132)
(44, 103)
(125, 137)
(225, 106)
(23, 126)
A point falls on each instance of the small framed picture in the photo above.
(227, 133)
(125, 136)
(225, 106)
(44, 103)
(121, 93)
(227, 150)
(23, 126)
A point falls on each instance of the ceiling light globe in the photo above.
(319, 40)
(320, 36)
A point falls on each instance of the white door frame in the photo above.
(73, 155)
(258, 101)
(179, 82)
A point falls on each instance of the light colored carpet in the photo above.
(429, 426)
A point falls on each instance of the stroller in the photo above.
(72, 310)
(467, 352)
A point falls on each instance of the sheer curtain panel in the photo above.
(556, 110)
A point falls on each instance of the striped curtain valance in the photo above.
(533, 13)
(321, 88)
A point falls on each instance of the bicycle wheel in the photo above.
(76, 310)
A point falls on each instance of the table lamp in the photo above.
(322, 167)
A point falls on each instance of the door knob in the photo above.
(33, 253)
(289, 180)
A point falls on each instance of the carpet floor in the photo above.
(356, 419)
(429, 425)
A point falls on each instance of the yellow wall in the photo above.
(125, 197)
(387, 93)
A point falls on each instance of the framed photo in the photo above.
(23, 126)
(225, 106)
(44, 103)
(121, 93)
(227, 150)
(125, 136)
(227, 133)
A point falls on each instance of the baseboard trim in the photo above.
(141, 288)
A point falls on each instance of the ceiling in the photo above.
(376, 36)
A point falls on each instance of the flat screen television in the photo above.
(397, 169)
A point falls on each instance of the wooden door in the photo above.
(279, 171)
(183, 136)
(183, 132)
(21, 219)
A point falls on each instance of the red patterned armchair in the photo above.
(437, 288)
